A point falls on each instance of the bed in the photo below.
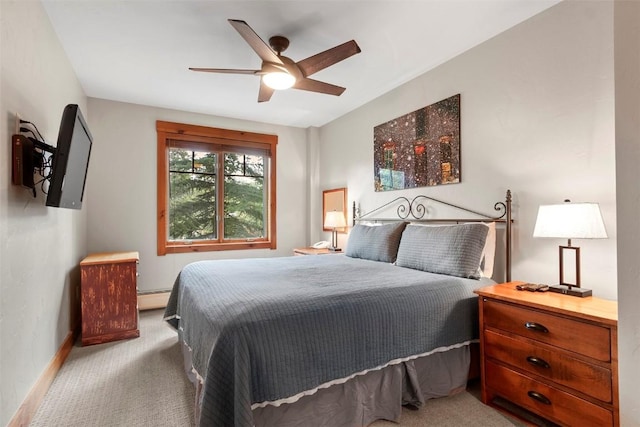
(338, 340)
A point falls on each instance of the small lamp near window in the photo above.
(334, 220)
(570, 221)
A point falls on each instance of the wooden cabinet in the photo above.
(109, 305)
(549, 354)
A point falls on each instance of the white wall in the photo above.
(314, 199)
(40, 247)
(537, 117)
(122, 187)
(627, 71)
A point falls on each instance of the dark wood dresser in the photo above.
(550, 355)
(109, 297)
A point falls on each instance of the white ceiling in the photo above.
(139, 51)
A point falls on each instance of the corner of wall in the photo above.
(313, 184)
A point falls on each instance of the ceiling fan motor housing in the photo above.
(279, 44)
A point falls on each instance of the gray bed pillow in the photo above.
(375, 242)
(454, 250)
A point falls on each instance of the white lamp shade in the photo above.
(335, 219)
(279, 80)
(570, 221)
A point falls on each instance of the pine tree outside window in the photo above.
(216, 189)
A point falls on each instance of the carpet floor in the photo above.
(141, 382)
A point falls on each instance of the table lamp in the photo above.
(570, 221)
(334, 220)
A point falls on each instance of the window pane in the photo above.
(192, 195)
(244, 197)
(255, 166)
(204, 162)
(233, 164)
(179, 160)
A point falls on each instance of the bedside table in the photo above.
(109, 297)
(550, 354)
(313, 251)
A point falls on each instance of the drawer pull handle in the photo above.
(536, 327)
(536, 361)
(539, 397)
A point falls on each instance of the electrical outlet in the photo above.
(16, 128)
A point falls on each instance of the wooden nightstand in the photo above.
(550, 354)
(109, 297)
(313, 251)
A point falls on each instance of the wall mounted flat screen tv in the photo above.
(70, 161)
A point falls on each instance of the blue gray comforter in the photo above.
(265, 329)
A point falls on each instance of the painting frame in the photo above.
(419, 149)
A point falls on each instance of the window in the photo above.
(216, 189)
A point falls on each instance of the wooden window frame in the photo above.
(216, 138)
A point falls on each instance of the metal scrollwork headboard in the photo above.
(414, 210)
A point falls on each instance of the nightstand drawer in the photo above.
(576, 336)
(559, 367)
(549, 402)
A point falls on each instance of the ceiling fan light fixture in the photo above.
(279, 80)
(279, 72)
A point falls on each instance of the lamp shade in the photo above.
(335, 219)
(570, 221)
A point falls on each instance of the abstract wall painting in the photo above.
(419, 149)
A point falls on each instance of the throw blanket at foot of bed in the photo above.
(262, 330)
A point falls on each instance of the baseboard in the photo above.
(30, 405)
(153, 300)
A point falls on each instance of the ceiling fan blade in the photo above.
(257, 44)
(265, 92)
(318, 86)
(325, 59)
(224, 70)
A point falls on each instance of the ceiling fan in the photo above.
(279, 72)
